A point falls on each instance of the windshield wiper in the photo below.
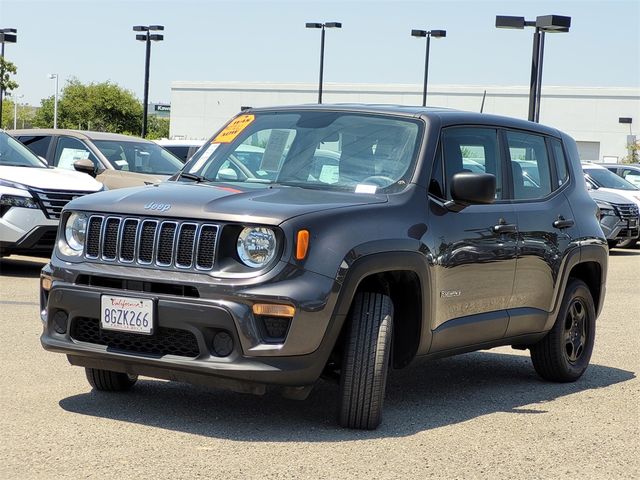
(191, 176)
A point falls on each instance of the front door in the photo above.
(473, 250)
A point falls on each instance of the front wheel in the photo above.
(564, 353)
(108, 381)
(365, 362)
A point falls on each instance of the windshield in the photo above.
(323, 150)
(603, 178)
(14, 154)
(139, 157)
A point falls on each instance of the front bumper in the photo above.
(253, 363)
(616, 228)
(27, 231)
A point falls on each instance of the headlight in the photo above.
(606, 209)
(17, 201)
(75, 230)
(256, 246)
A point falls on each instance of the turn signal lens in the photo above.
(273, 310)
(302, 244)
(46, 282)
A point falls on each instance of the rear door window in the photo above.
(38, 144)
(530, 165)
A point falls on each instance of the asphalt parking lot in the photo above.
(480, 415)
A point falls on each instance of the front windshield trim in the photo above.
(401, 158)
(597, 176)
(119, 160)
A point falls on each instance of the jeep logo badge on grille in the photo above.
(160, 207)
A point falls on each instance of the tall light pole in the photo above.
(322, 26)
(428, 34)
(7, 35)
(147, 37)
(543, 24)
(55, 100)
(15, 99)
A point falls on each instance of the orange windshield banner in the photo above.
(234, 128)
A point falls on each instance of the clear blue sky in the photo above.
(266, 41)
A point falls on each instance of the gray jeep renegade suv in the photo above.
(358, 238)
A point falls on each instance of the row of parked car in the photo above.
(36, 182)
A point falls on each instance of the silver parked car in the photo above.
(116, 160)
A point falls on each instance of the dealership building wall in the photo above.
(589, 114)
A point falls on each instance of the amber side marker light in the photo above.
(46, 282)
(302, 244)
(273, 310)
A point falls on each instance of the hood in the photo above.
(630, 195)
(50, 178)
(609, 196)
(226, 202)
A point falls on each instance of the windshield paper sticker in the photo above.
(364, 188)
(203, 158)
(233, 129)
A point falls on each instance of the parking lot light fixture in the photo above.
(147, 37)
(542, 24)
(7, 35)
(428, 34)
(322, 27)
(53, 76)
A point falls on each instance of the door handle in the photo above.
(561, 223)
(505, 228)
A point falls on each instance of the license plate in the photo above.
(126, 314)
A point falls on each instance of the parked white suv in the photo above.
(32, 196)
(601, 179)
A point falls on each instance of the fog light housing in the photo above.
(222, 344)
(59, 320)
(274, 329)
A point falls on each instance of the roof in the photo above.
(83, 134)
(446, 116)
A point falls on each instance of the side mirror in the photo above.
(85, 166)
(469, 188)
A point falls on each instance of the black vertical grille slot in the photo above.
(110, 241)
(165, 243)
(206, 247)
(93, 237)
(184, 250)
(147, 239)
(128, 242)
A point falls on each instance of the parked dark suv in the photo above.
(418, 236)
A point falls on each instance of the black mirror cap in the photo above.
(471, 188)
(85, 166)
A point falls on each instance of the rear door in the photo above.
(538, 171)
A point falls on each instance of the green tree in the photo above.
(7, 114)
(157, 127)
(7, 70)
(104, 107)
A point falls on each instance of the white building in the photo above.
(589, 114)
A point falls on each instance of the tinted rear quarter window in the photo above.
(561, 161)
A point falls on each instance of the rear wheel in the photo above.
(366, 361)
(564, 353)
(108, 381)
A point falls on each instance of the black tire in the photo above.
(612, 243)
(365, 361)
(564, 353)
(627, 243)
(108, 381)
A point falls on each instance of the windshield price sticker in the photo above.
(234, 128)
(203, 158)
(125, 314)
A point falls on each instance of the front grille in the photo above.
(627, 210)
(165, 341)
(169, 243)
(53, 201)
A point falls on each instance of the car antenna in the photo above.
(484, 95)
